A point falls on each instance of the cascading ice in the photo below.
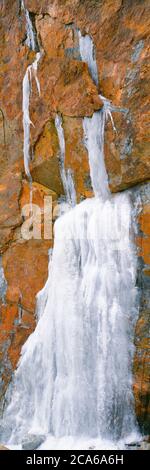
(74, 375)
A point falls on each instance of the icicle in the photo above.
(94, 140)
(42, 296)
(66, 176)
(26, 114)
(34, 68)
(26, 120)
(27, 84)
(30, 41)
(87, 55)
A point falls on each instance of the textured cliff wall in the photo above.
(120, 32)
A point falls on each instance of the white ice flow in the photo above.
(30, 40)
(88, 55)
(74, 375)
(31, 70)
(66, 175)
(27, 88)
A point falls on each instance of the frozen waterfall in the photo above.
(74, 377)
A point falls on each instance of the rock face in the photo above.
(32, 442)
(142, 354)
(120, 32)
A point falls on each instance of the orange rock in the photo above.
(76, 157)
(145, 249)
(38, 193)
(53, 36)
(16, 325)
(142, 371)
(144, 241)
(25, 267)
(142, 353)
(8, 315)
(10, 217)
(36, 5)
(144, 220)
(66, 87)
(45, 168)
(76, 82)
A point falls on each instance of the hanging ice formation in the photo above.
(74, 377)
(66, 175)
(87, 53)
(30, 72)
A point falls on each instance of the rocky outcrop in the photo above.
(120, 32)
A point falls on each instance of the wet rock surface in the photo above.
(141, 445)
(32, 441)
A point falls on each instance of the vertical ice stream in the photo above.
(66, 175)
(31, 72)
(94, 127)
(30, 41)
(87, 53)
